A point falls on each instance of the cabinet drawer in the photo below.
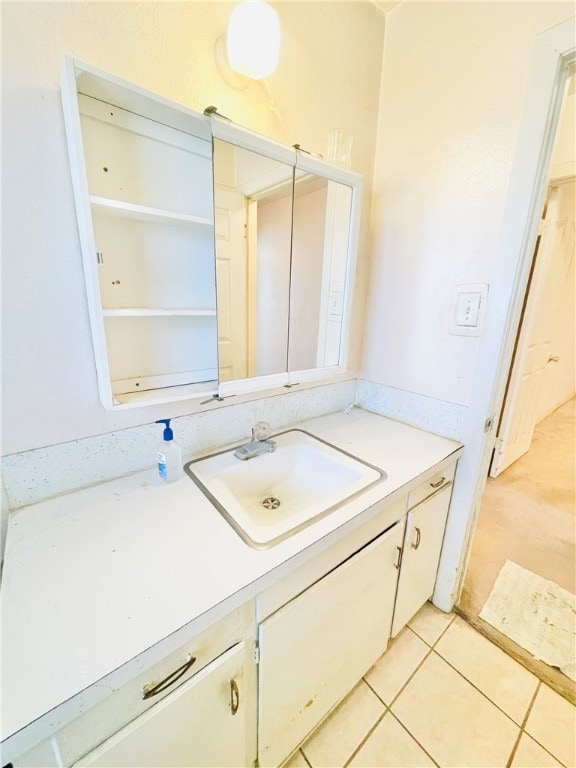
(42, 754)
(431, 485)
(127, 702)
(200, 724)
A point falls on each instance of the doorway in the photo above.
(528, 505)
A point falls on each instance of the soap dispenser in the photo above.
(169, 455)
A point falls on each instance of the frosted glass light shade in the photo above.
(253, 39)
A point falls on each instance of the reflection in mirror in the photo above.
(253, 222)
(320, 243)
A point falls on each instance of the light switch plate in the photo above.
(468, 309)
(335, 303)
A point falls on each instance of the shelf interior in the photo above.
(157, 312)
(109, 207)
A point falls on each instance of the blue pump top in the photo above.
(168, 434)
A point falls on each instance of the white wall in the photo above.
(455, 134)
(272, 287)
(454, 76)
(328, 77)
(564, 153)
(308, 237)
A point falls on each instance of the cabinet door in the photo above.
(203, 723)
(420, 556)
(316, 648)
(142, 173)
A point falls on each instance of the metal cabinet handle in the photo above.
(418, 537)
(234, 696)
(438, 484)
(398, 562)
(156, 688)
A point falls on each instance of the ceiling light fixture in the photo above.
(251, 47)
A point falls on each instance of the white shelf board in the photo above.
(153, 312)
(206, 389)
(109, 207)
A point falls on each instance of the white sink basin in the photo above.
(273, 495)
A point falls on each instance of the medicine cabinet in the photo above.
(285, 235)
(217, 261)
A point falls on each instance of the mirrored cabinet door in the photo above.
(320, 250)
(253, 199)
(142, 171)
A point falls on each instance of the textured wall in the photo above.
(453, 83)
(328, 77)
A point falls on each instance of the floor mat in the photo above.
(535, 613)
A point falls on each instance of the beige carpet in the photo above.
(528, 516)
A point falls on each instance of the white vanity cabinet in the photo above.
(281, 647)
(195, 707)
(428, 508)
(314, 649)
(202, 723)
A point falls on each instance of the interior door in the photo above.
(232, 281)
(535, 349)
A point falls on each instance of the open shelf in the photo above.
(144, 176)
(107, 206)
(205, 389)
(151, 312)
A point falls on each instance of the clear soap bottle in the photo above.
(169, 455)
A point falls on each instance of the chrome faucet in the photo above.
(260, 442)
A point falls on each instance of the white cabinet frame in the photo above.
(80, 81)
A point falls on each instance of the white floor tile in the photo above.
(453, 721)
(531, 755)
(394, 668)
(552, 723)
(337, 738)
(390, 746)
(503, 680)
(429, 623)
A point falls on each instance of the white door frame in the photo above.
(554, 51)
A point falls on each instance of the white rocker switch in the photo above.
(468, 307)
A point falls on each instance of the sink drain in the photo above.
(271, 502)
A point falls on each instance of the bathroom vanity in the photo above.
(141, 630)
(146, 624)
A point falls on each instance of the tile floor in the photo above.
(443, 695)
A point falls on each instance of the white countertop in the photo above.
(133, 567)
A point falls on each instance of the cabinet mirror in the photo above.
(283, 230)
(320, 239)
(253, 198)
